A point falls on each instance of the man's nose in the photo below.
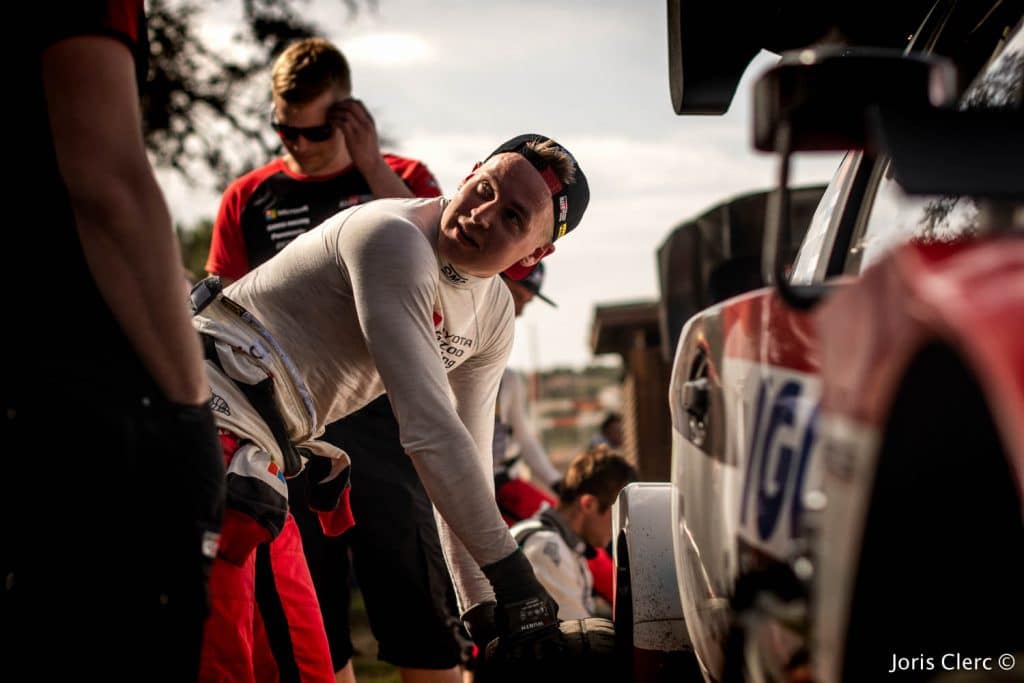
(481, 214)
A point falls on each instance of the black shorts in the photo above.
(410, 601)
(99, 532)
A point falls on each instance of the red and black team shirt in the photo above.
(264, 210)
(74, 327)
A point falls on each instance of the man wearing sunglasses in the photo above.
(332, 161)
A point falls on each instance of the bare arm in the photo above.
(384, 182)
(122, 220)
(364, 148)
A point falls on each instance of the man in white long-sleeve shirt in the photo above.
(522, 444)
(398, 296)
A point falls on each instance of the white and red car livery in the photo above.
(848, 446)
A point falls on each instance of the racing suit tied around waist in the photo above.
(246, 391)
(259, 395)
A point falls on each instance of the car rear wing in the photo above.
(711, 42)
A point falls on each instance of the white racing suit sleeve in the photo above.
(256, 491)
(522, 432)
(393, 273)
(559, 571)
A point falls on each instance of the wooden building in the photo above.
(632, 330)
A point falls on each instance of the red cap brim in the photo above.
(517, 271)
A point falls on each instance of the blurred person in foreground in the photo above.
(112, 524)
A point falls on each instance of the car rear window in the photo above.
(896, 217)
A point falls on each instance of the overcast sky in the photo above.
(451, 79)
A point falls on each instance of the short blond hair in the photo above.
(307, 69)
(557, 159)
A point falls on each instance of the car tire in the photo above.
(585, 649)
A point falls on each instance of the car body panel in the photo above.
(968, 295)
(746, 487)
(774, 407)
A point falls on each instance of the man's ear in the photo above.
(471, 173)
(536, 255)
(589, 502)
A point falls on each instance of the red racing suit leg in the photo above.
(228, 632)
(230, 635)
(290, 614)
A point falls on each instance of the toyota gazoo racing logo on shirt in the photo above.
(452, 346)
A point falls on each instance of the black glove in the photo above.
(479, 621)
(524, 607)
(184, 476)
(193, 464)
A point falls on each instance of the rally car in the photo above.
(848, 442)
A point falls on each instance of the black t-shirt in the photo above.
(57, 324)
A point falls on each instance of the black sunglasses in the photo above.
(312, 133)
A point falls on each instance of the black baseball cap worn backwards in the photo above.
(568, 201)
